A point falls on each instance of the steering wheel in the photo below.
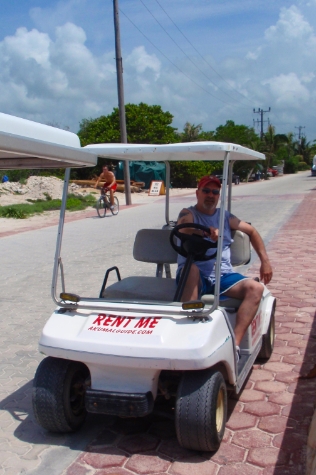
(192, 244)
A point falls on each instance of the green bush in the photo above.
(11, 212)
(291, 165)
(302, 166)
(22, 211)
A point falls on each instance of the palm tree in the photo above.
(305, 149)
(191, 132)
(271, 143)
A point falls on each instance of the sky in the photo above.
(204, 61)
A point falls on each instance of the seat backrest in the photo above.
(240, 249)
(153, 245)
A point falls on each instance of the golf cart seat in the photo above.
(153, 246)
(240, 255)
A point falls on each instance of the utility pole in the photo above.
(261, 112)
(300, 127)
(121, 104)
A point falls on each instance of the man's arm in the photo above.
(258, 245)
(96, 185)
(185, 216)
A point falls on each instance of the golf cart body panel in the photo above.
(135, 341)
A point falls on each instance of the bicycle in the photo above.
(104, 203)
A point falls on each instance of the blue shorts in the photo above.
(227, 282)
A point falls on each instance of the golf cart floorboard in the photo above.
(244, 366)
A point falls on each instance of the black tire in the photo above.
(201, 410)
(59, 394)
(237, 181)
(116, 205)
(101, 207)
(268, 339)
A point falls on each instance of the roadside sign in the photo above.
(157, 188)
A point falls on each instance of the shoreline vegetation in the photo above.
(39, 206)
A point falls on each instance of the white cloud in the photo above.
(141, 61)
(288, 89)
(55, 80)
(290, 26)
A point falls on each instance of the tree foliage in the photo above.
(144, 124)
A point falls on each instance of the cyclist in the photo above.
(110, 183)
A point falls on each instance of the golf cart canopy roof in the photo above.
(27, 144)
(194, 151)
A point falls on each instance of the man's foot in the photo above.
(237, 353)
(112, 207)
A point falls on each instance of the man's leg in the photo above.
(250, 292)
(191, 289)
(111, 197)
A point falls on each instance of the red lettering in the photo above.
(107, 321)
(129, 319)
(117, 322)
(143, 322)
(98, 320)
(154, 322)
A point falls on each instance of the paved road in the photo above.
(90, 246)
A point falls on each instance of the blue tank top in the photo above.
(207, 267)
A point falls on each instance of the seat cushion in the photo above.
(142, 288)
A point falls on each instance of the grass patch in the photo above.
(24, 210)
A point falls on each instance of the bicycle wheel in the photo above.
(101, 206)
(116, 206)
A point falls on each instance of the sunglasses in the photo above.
(206, 191)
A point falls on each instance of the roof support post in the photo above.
(57, 260)
(221, 232)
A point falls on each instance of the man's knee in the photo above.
(253, 289)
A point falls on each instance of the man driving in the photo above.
(201, 278)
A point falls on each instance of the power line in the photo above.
(180, 70)
(182, 50)
(261, 112)
(201, 56)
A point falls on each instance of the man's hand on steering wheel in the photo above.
(194, 244)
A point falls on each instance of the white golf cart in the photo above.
(136, 342)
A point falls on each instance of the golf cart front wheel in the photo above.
(201, 410)
(101, 207)
(59, 394)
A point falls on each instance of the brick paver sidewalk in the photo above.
(268, 424)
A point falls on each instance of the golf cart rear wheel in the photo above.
(101, 206)
(268, 339)
(59, 394)
(201, 410)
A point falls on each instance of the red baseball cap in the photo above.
(205, 180)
